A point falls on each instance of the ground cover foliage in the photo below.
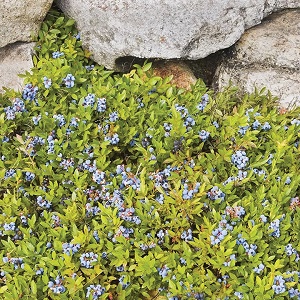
(125, 187)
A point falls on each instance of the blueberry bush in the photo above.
(122, 186)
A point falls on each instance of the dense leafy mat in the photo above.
(124, 187)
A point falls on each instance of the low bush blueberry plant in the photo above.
(121, 186)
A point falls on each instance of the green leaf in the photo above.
(33, 287)
(147, 66)
(169, 92)
(3, 289)
(69, 23)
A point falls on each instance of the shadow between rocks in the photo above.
(204, 68)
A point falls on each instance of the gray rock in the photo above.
(185, 29)
(14, 59)
(267, 55)
(19, 19)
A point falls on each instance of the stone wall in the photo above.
(172, 29)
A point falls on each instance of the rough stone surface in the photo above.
(14, 59)
(19, 19)
(267, 55)
(185, 29)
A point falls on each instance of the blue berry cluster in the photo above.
(56, 285)
(47, 82)
(51, 142)
(235, 212)
(215, 193)
(259, 268)
(43, 203)
(167, 128)
(95, 291)
(36, 119)
(266, 126)
(56, 221)
(88, 165)
(60, 119)
(88, 260)
(243, 129)
(9, 226)
(187, 235)
(70, 248)
(263, 218)
(29, 176)
(113, 138)
(182, 110)
(147, 246)
(57, 54)
(39, 272)
(295, 122)
(228, 261)
(32, 143)
(294, 293)
(99, 177)
(122, 231)
(96, 236)
(101, 104)
(260, 172)
(91, 210)
(69, 81)
(89, 100)
(114, 116)
(93, 194)
(189, 192)
(124, 283)
(24, 220)
(160, 178)
(289, 250)
(9, 173)
(240, 159)
(128, 178)
(275, 227)
(17, 107)
(239, 295)
(163, 271)
(188, 120)
(241, 175)
(203, 103)
(89, 67)
(204, 135)
(17, 262)
(161, 234)
(279, 285)
(127, 214)
(30, 92)
(218, 235)
(74, 122)
(66, 163)
(249, 249)
(115, 200)
(12, 230)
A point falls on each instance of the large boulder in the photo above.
(14, 59)
(20, 19)
(185, 29)
(267, 55)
